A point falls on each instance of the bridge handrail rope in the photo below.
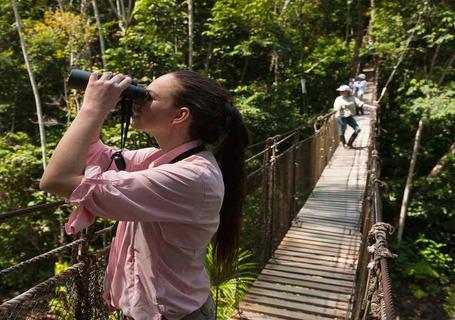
(36, 290)
(53, 252)
(32, 209)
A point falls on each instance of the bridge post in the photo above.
(295, 164)
(82, 306)
(267, 195)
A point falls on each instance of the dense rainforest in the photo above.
(263, 51)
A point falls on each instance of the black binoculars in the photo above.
(78, 80)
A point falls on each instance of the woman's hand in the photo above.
(103, 93)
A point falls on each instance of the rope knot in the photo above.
(377, 238)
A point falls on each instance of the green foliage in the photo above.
(229, 286)
(449, 305)
(426, 266)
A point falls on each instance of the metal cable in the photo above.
(31, 293)
(41, 257)
(37, 208)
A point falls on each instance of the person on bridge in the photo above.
(171, 201)
(344, 106)
(360, 86)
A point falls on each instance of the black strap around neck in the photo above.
(188, 153)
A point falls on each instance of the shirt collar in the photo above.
(168, 156)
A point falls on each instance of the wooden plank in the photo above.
(311, 272)
(326, 253)
(343, 299)
(320, 222)
(278, 312)
(318, 245)
(332, 212)
(331, 233)
(303, 299)
(318, 259)
(330, 264)
(327, 231)
(316, 222)
(308, 265)
(339, 284)
(321, 245)
(309, 231)
(304, 283)
(299, 307)
(248, 315)
(353, 218)
(346, 240)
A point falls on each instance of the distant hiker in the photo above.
(360, 86)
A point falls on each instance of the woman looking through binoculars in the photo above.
(171, 201)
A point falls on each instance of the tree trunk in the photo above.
(190, 34)
(33, 83)
(440, 165)
(208, 55)
(123, 15)
(244, 69)
(433, 60)
(285, 7)
(447, 67)
(100, 31)
(407, 189)
(359, 29)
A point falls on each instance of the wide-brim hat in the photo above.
(362, 76)
(344, 88)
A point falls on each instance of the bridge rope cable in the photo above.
(41, 257)
(30, 294)
(54, 252)
(32, 209)
(278, 135)
(290, 134)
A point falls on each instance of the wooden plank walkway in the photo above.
(312, 272)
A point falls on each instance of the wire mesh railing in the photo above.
(374, 299)
(280, 186)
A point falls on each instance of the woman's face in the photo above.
(156, 115)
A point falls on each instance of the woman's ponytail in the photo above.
(230, 154)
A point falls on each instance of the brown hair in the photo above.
(216, 121)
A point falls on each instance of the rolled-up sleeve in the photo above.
(168, 193)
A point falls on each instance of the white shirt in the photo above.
(361, 86)
(345, 107)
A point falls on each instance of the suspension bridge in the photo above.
(315, 226)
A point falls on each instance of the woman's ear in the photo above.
(183, 115)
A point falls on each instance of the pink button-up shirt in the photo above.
(168, 213)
